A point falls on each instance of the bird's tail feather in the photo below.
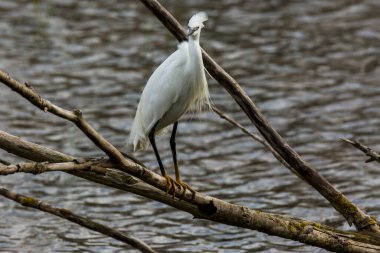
(137, 138)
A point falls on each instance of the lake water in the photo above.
(313, 68)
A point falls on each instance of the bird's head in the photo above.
(196, 24)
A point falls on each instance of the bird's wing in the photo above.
(163, 87)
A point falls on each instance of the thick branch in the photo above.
(84, 222)
(300, 230)
(341, 203)
(113, 177)
(373, 156)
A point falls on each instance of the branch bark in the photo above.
(84, 222)
(340, 202)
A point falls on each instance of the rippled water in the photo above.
(311, 66)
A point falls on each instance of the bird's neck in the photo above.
(194, 39)
(195, 53)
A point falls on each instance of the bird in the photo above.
(177, 86)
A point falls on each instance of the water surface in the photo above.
(311, 66)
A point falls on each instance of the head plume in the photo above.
(197, 20)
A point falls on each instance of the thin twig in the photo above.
(351, 212)
(84, 222)
(255, 137)
(373, 155)
(38, 168)
(238, 125)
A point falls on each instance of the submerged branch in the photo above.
(84, 222)
(351, 212)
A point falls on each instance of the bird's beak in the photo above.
(190, 31)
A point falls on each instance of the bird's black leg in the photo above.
(169, 180)
(153, 143)
(175, 161)
(174, 151)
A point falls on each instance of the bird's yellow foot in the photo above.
(172, 185)
(185, 187)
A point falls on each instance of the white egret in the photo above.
(176, 85)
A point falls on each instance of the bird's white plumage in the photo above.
(176, 85)
(198, 19)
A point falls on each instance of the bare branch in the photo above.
(301, 230)
(113, 177)
(84, 222)
(238, 125)
(373, 156)
(38, 168)
(340, 202)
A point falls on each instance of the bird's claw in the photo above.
(172, 185)
(185, 187)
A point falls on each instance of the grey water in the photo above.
(312, 67)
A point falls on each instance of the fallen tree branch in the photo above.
(38, 168)
(373, 155)
(112, 178)
(84, 222)
(351, 212)
(292, 228)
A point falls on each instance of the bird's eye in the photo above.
(193, 28)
